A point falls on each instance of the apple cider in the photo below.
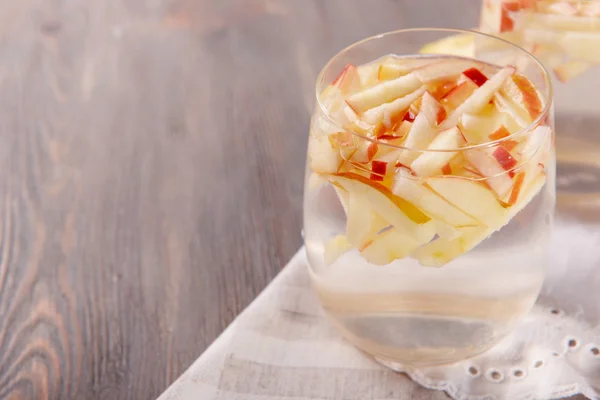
(429, 199)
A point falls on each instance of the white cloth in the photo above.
(282, 347)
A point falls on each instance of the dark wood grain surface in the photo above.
(152, 156)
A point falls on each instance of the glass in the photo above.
(437, 265)
(565, 37)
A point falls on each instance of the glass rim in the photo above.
(530, 127)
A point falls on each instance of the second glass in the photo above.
(429, 194)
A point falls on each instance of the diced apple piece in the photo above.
(431, 162)
(582, 46)
(441, 251)
(504, 158)
(388, 246)
(383, 93)
(322, 157)
(442, 70)
(489, 167)
(471, 197)
(376, 115)
(516, 189)
(393, 209)
(334, 248)
(479, 98)
(403, 128)
(459, 94)
(365, 151)
(521, 91)
(411, 189)
(348, 81)
(569, 70)
(476, 76)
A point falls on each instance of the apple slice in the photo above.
(362, 222)
(582, 46)
(383, 93)
(334, 248)
(479, 98)
(442, 70)
(348, 81)
(411, 189)
(569, 70)
(431, 162)
(462, 45)
(441, 251)
(488, 166)
(376, 115)
(393, 70)
(393, 209)
(433, 110)
(522, 92)
(368, 74)
(459, 94)
(322, 157)
(388, 246)
(469, 196)
(516, 113)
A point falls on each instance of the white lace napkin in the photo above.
(282, 347)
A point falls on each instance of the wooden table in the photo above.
(152, 158)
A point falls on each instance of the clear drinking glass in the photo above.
(393, 262)
(565, 36)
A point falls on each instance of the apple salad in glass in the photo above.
(429, 197)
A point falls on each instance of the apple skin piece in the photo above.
(504, 158)
(334, 248)
(499, 133)
(476, 76)
(569, 70)
(431, 163)
(489, 167)
(411, 189)
(379, 169)
(348, 81)
(480, 97)
(441, 250)
(394, 210)
(376, 115)
(388, 246)
(384, 92)
(469, 196)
